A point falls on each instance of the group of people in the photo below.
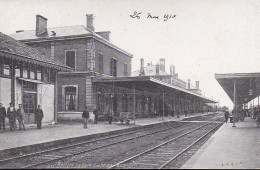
(12, 114)
(85, 116)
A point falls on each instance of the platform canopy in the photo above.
(149, 84)
(247, 86)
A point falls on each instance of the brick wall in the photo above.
(85, 49)
(109, 53)
(80, 82)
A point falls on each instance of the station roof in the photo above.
(61, 33)
(150, 84)
(244, 82)
(12, 48)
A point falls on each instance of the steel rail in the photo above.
(96, 148)
(149, 150)
(191, 145)
(77, 144)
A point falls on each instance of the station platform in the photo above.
(53, 133)
(230, 148)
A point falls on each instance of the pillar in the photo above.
(235, 103)
(56, 97)
(12, 70)
(163, 104)
(134, 101)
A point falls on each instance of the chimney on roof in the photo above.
(197, 84)
(90, 25)
(104, 34)
(141, 73)
(157, 69)
(172, 70)
(162, 64)
(41, 25)
(188, 83)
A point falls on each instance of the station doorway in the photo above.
(29, 105)
(29, 101)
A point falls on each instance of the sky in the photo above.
(205, 36)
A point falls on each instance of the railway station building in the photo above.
(101, 75)
(28, 77)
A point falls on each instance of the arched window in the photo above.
(70, 98)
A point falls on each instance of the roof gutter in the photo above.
(48, 63)
(82, 36)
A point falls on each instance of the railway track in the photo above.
(51, 156)
(163, 154)
(44, 157)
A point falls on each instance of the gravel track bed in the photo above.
(182, 159)
(91, 139)
(105, 157)
(27, 160)
(167, 151)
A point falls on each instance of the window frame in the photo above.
(125, 71)
(111, 73)
(99, 62)
(75, 58)
(76, 98)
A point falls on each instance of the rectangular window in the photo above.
(71, 59)
(70, 98)
(52, 76)
(52, 49)
(25, 70)
(113, 67)
(125, 69)
(101, 63)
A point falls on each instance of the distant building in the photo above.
(158, 71)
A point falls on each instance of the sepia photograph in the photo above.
(129, 84)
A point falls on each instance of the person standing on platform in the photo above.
(2, 116)
(226, 116)
(20, 117)
(11, 115)
(85, 116)
(110, 115)
(38, 117)
(95, 112)
(185, 112)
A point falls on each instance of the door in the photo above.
(29, 105)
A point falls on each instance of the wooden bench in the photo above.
(126, 117)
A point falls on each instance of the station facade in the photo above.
(101, 75)
(28, 77)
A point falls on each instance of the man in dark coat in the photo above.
(11, 115)
(38, 117)
(226, 116)
(85, 116)
(2, 116)
(95, 112)
(110, 115)
(20, 117)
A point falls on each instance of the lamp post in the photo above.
(163, 107)
(234, 111)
